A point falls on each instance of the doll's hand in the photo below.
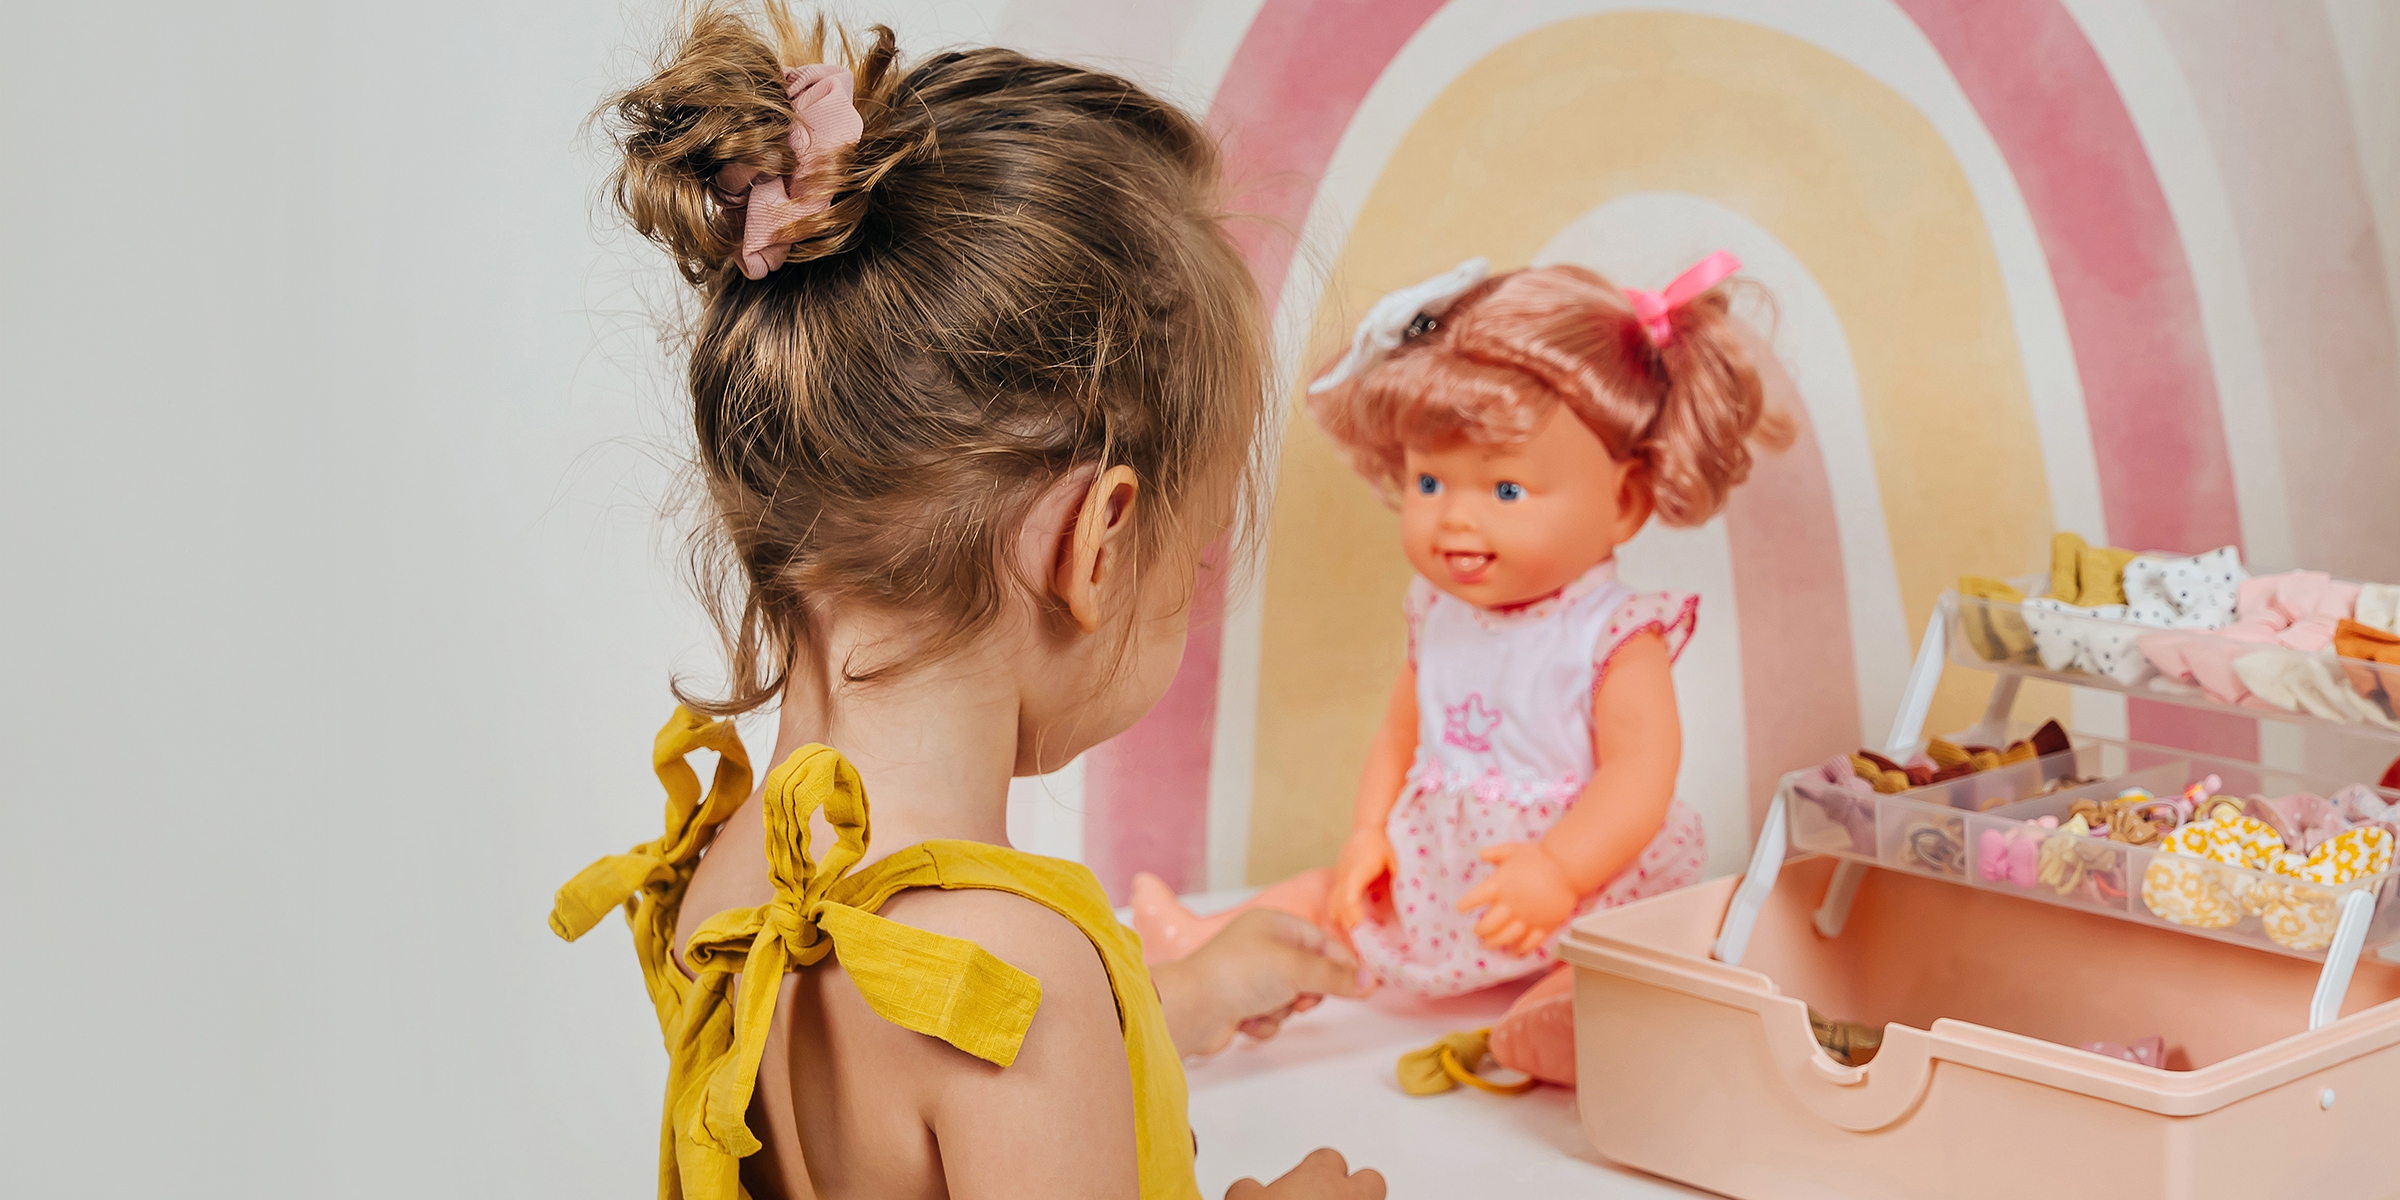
(1366, 857)
(1529, 894)
(1262, 967)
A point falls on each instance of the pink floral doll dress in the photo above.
(1504, 746)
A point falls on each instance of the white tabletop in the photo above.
(1328, 1080)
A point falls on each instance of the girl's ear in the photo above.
(1092, 555)
(1636, 499)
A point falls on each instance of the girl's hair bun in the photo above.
(716, 98)
(1020, 272)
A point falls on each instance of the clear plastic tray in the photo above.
(2201, 668)
(1887, 829)
(1940, 831)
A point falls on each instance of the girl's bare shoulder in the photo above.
(1057, 1121)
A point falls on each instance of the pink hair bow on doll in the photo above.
(1653, 309)
(824, 120)
(1387, 324)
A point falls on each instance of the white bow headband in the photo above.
(1386, 324)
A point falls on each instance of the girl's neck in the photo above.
(935, 746)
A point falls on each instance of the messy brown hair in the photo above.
(1502, 356)
(1022, 273)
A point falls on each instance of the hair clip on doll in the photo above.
(1404, 315)
(1525, 426)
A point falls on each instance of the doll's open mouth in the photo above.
(1466, 568)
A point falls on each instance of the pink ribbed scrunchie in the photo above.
(824, 119)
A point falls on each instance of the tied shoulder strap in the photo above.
(941, 986)
(648, 880)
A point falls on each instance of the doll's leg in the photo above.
(1171, 931)
(1537, 1033)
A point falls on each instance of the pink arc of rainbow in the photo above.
(2132, 306)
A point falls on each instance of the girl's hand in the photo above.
(1530, 897)
(1366, 857)
(1321, 1176)
(1262, 967)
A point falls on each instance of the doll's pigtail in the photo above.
(1714, 407)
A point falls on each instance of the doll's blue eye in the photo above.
(1510, 491)
(1427, 485)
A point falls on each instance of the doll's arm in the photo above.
(1367, 853)
(1262, 967)
(1637, 740)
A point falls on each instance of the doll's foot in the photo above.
(1169, 930)
(1537, 1033)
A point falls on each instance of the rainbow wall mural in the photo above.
(2034, 265)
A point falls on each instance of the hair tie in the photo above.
(1938, 845)
(1652, 308)
(824, 120)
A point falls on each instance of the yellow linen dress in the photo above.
(941, 986)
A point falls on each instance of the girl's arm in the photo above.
(1637, 742)
(1058, 1122)
(1262, 967)
(1367, 854)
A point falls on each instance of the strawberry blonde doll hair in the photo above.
(927, 292)
(1668, 383)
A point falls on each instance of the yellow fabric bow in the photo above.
(648, 880)
(716, 1028)
(2085, 575)
(944, 987)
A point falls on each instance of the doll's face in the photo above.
(1510, 524)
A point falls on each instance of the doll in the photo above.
(1524, 426)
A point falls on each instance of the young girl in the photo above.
(1525, 427)
(976, 376)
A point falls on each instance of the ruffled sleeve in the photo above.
(1671, 615)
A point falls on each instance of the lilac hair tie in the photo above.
(824, 120)
(1652, 309)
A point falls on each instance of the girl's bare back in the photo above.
(853, 1101)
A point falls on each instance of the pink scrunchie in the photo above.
(824, 119)
(2305, 820)
(1836, 789)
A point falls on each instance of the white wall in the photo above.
(335, 607)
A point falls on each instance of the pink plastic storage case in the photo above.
(1708, 1073)
(2283, 1077)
